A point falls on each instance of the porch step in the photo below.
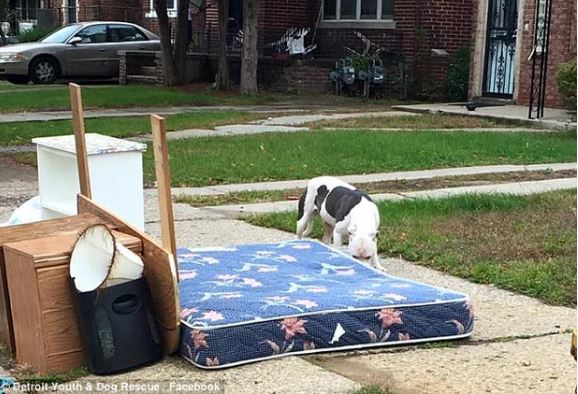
(151, 71)
(491, 101)
(147, 79)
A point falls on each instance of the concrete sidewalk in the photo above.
(514, 188)
(377, 177)
(553, 118)
(144, 111)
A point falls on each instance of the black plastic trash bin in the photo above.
(117, 327)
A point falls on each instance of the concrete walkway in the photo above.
(280, 124)
(299, 120)
(144, 111)
(553, 118)
(514, 188)
(369, 178)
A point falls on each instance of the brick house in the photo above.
(420, 35)
(504, 37)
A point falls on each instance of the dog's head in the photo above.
(362, 242)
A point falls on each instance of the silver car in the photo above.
(85, 50)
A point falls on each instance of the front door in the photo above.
(500, 62)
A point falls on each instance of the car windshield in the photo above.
(61, 35)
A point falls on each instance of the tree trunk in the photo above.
(180, 49)
(249, 55)
(223, 66)
(169, 72)
(3, 18)
(3, 39)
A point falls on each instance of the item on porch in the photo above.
(343, 76)
(98, 259)
(257, 302)
(292, 42)
(117, 327)
(40, 310)
(373, 77)
(116, 178)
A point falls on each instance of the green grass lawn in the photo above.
(524, 244)
(125, 97)
(19, 133)
(266, 157)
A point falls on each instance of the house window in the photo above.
(358, 10)
(171, 9)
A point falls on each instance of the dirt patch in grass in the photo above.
(425, 121)
(523, 244)
(526, 244)
(467, 180)
(530, 234)
(399, 186)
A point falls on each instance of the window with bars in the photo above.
(358, 10)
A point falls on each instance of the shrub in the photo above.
(566, 79)
(459, 75)
(35, 34)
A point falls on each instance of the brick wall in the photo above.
(562, 48)
(297, 76)
(420, 26)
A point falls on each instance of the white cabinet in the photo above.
(116, 176)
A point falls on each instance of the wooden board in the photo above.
(161, 272)
(161, 152)
(79, 138)
(22, 232)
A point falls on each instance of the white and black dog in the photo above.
(345, 211)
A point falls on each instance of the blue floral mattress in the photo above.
(256, 302)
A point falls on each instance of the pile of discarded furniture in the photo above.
(80, 282)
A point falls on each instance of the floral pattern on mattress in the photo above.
(254, 302)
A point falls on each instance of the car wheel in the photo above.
(44, 70)
(18, 79)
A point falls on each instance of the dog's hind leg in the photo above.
(309, 227)
(304, 217)
(328, 233)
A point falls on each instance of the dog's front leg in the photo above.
(375, 262)
(337, 238)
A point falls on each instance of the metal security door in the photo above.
(500, 64)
